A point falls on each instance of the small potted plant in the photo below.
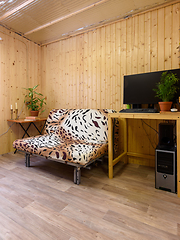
(34, 101)
(166, 89)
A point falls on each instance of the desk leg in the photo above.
(125, 139)
(178, 156)
(110, 146)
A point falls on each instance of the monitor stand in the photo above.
(136, 106)
(151, 105)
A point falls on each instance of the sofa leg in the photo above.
(77, 175)
(27, 160)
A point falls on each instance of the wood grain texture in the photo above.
(42, 202)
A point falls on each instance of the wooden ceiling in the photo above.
(45, 21)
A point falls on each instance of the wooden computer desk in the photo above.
(156, 116)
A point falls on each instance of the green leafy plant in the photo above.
(34, 100)
(167, 87)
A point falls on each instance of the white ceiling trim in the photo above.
(126, 15)
(65, 17)
(16, 9)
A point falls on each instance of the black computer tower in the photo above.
(166, 169)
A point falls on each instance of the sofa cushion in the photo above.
(52, 146)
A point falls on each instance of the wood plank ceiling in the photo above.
(45, 21)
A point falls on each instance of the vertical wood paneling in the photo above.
(122, 64)
(135, 43)
(129, 51)
(168, 37)
(78, 79)
(175, 34)
(154, 41)
(85, 62)
(117, 62)
(141, 47)
(90, 79)
(94, 69)
(108, 68)
(62, 91)
(71, 79)
(161, 41)
(103, 67)
(19, 68)
(66, 74)
(113, 75)
(98, 66)
(147, 42)
(73, 76)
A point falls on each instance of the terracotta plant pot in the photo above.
(165, 106)
(34, 113)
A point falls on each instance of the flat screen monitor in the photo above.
(138, 88)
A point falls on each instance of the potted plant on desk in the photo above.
(34, 100)
(166, 89)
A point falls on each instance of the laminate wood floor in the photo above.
(42, 202)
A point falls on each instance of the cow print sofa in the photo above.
(72, 136)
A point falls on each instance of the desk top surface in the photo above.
(23, 120)
(162, 115)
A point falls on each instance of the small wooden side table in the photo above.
(30, 122)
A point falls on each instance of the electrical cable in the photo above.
(149, 126)
(7, 130)
(142, 121)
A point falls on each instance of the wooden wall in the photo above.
(86, 71)
(20, 63)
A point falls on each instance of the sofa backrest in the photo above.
(53, 120)
(90, 125)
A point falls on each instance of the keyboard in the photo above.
(139, 110)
